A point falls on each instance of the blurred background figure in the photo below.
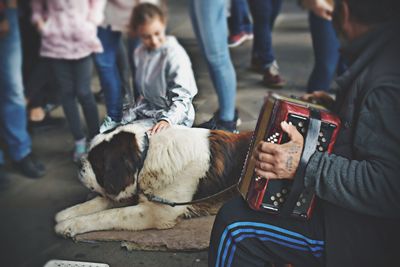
(264, 13)
(164, 76)
(69, 37)
(327, 61)
(40, 89)
(240, 24)
(210, 27)
(116, 19)
(13, 123)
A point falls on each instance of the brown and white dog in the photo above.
(181, 164)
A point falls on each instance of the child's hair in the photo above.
(144, 13)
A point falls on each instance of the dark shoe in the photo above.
(272, 78)
(4, 182)
(46, 123)
(28, 166)
(217, 124)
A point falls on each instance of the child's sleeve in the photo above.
(181, 88)
(38, 12)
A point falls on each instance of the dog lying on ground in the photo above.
(181, 164)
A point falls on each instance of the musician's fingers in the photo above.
(264, 166)
(267, 147)
(264, 157)
(292, 132)
(266, 174)
(307, 97)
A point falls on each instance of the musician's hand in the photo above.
(321, 8)
(319, 97)
(161, 125)
(277, 161)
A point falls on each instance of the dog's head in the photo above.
(112, 165)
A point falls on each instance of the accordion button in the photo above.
(281, 200)
(303, 200)
(321, 134)
(303, 130)
(320, 148)
(272, 198)
(277, 134)
(300, 124)
(275, 140)
(298, 204)
(276, 203)
(323, 139)
(278, 194)
(284, 191)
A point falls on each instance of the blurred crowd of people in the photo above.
(48, 49)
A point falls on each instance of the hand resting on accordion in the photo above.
(279, 161)
(320, 98)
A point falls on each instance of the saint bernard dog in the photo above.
(126, 166)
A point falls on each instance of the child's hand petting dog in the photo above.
(161, 125)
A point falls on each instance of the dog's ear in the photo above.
(121, 162)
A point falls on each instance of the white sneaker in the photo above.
(108, 124)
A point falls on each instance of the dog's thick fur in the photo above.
(182, 164)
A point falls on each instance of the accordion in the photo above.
(283, 196)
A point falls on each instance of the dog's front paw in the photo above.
(63, 215)
(66, 228)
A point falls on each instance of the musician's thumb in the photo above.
(292, 132)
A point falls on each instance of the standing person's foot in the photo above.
(236, 40)
(30, 167)
(217, 124)
(272, 77)
(80, 150)
(108, 124)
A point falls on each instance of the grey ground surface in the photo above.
(28, 206)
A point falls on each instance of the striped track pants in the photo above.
(243, 237)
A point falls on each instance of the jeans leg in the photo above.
(210, 26)
(13, 122)
(106, 64)
(64, 77)
(239, 20)
(264, 14)
(326, 53)
(82, 71)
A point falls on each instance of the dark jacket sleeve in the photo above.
(370, 184)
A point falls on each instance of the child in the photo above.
(69, 37)
(164, 77)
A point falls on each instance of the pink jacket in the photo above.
(70, 29)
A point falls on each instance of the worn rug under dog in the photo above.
(187, 235)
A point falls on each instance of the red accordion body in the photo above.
(270, 194)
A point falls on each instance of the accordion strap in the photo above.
(310, 144)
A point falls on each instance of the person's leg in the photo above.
(244, 237)
(13, 122)
(326, 53)
(263, 59)
(110, 80)
(125, 72)
(12, 101)
(82, 72)
(64, 78)
(210, 26)
(240, 25)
